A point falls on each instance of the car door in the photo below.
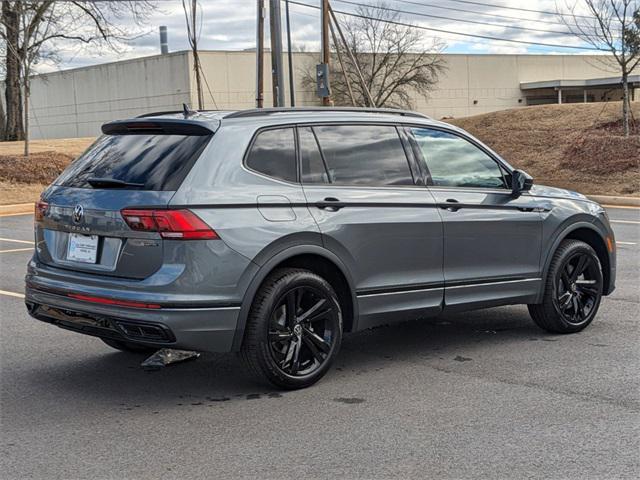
(492, 239)
(360, 189)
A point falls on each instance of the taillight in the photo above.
(174, 224)
(41, 210)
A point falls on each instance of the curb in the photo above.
(616, 201)
(16, 209)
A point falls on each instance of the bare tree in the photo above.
(31, 30)
(395, 60)
(612, 26)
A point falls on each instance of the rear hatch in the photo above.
(136, 165)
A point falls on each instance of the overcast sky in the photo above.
(230, 25)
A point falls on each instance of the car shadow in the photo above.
(116, 378)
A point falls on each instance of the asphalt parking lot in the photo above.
(484, 394)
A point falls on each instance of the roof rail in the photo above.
(172, 112)
(256, 112)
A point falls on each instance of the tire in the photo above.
(294, 329)
(128, 346)
(572, 291)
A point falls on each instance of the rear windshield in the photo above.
(157, 162)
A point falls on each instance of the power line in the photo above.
(476, 22)
(440, 30)
(440, 36)
(492, 15)
(544, 12)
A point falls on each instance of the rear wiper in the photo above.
(98, 182)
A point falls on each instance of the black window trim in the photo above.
(412, 151)
(504, 169)
(299, 156)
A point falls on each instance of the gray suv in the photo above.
(271, 232)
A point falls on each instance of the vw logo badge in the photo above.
(78, 213)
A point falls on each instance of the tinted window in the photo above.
(364, 155)
(159, 162)
(312, 165)
(274, 154)
(455, 162)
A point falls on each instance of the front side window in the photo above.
(363, 155)
(455, 162)
(273, 153)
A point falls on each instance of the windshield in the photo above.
(155, 162)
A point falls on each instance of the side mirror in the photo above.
(520, 182)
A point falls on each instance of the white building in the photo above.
(74, 103)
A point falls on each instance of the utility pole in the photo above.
(326, 100)
(292, 90)
(342, 67)
(370, 99)
(260, 55)
(277, 75)
(190, 15)
(196, 56)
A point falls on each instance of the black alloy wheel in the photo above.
(294, 329)
(578, 288)
(302, 330)
(572, 289)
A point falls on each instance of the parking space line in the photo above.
(15, 240)
(12, 250)
(626, 243)
(11, 294)
(14, 214)
(625, 221)
(621, 207)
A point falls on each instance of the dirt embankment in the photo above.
(575, 146)
(22, 179)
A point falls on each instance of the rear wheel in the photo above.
(294, 329)
(573, 289)
(128, 346)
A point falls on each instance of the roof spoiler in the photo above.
(156, 127)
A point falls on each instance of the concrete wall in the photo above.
(232, 78)
(76, 102)
(475, 84)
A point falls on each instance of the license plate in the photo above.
(82, 248)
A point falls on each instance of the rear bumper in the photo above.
(201, 328)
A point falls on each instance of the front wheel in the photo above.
(572, 291)
(294, 329)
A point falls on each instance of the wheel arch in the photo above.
(589, 234)
(311, 257)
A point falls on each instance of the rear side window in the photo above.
(363, 155)
(273, 153)
(157, 162)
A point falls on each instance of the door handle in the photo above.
(330, 204)
(450, 208)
